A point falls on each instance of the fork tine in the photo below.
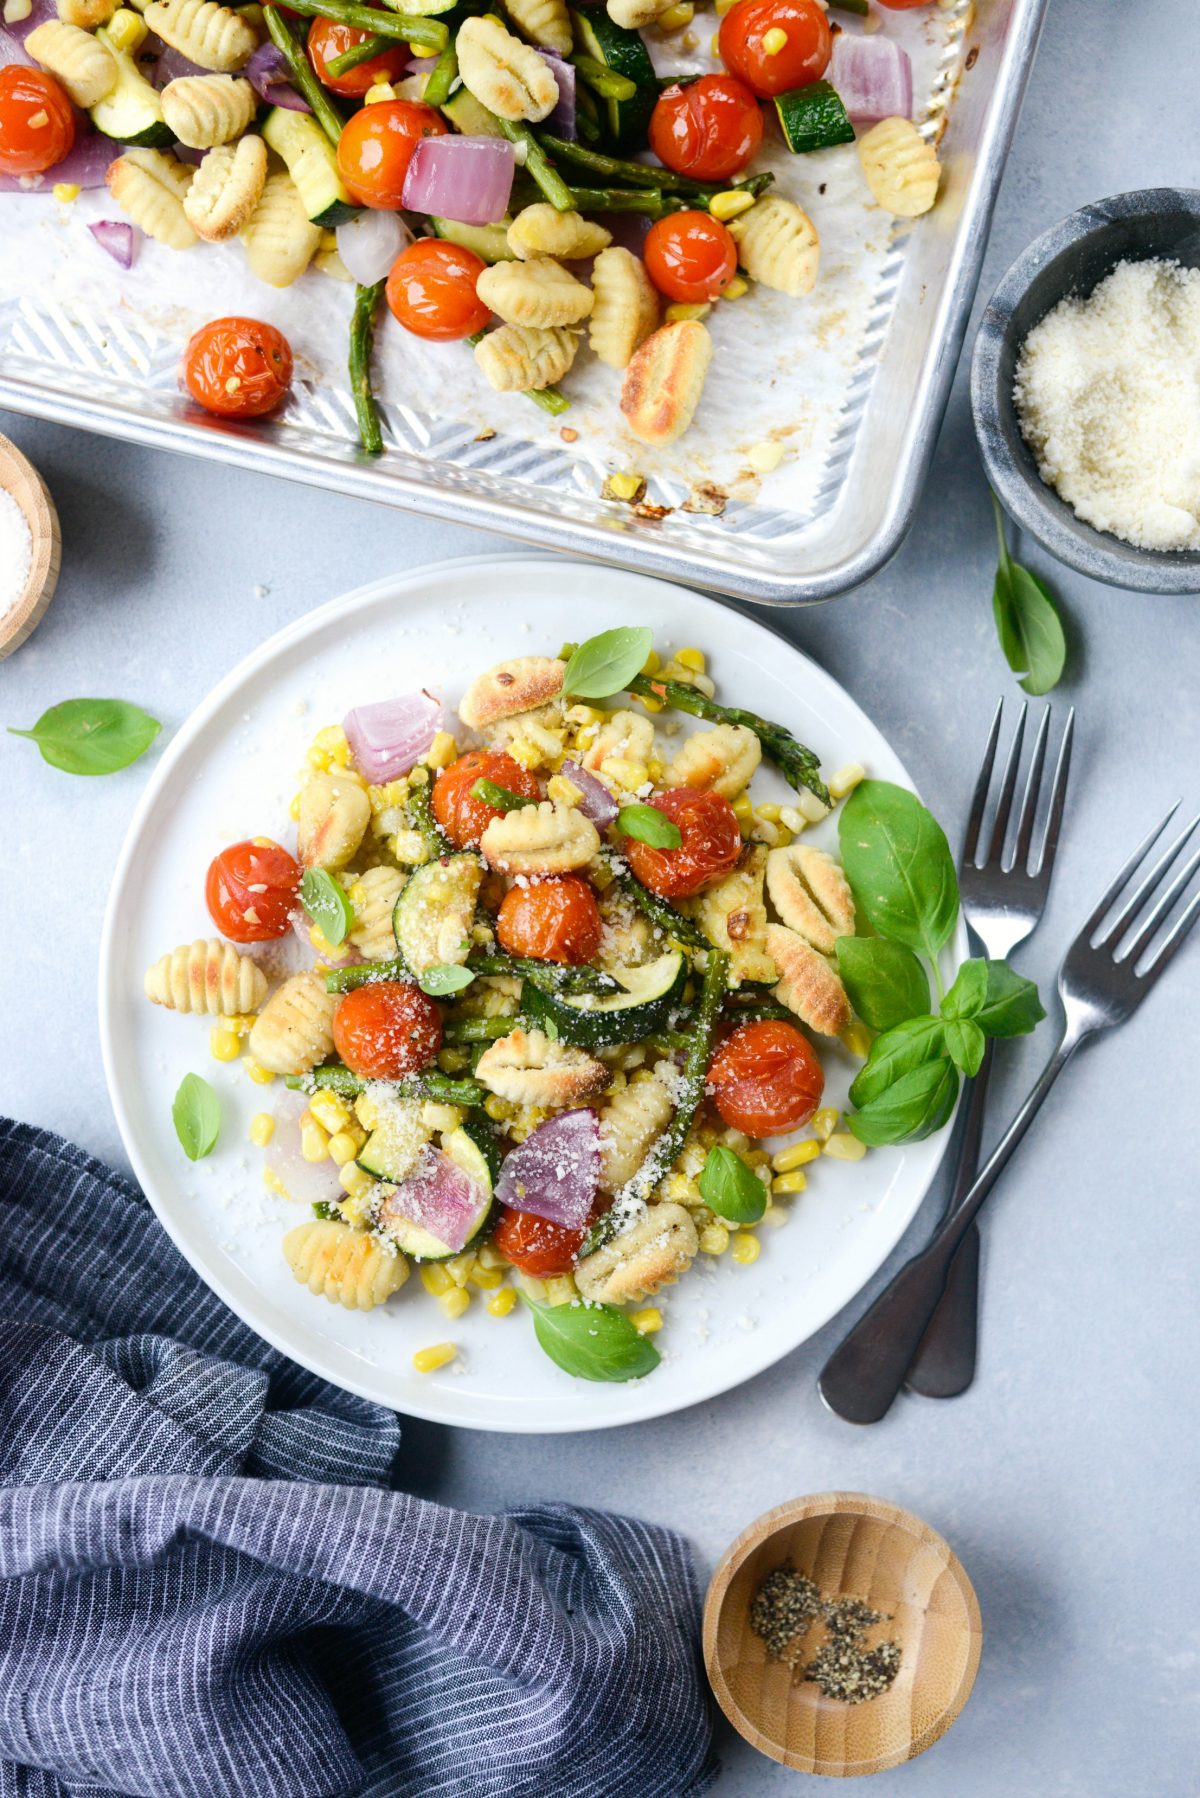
(1161, 909)
(1058, 795)
(1029, 800)
(1118, 884)
(1144, 888)
(1171, 944)
(1007, 788)
(983, 782)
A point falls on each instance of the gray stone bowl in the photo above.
(1073, 257)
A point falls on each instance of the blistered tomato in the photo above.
(776, 45)
(710, 844)
(376, 147)
(328, 40)
(552, 920)
(37, 121)
(431, 291)
(386, 1030)
(251, 891)
(765, 1078)
(535, 1245)
(238, 367)
(710, 129)
(465, 818)
(690, 256)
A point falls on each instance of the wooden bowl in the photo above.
(21, 479)
(851, 1546)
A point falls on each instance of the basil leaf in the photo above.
(92, 736)
(1012, 1005)
(444, 977)
(325, 901)
(196, 1115)
(593, 1342)
(967, 994)
(1027, 622)
(965, 1043)
(731, 1188)
(646, 824)
(885, 981)
(898, 862)
(606, 664)
(914, 1107)
(502, 798)
(897, 1052)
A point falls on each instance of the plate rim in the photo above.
(401, 588)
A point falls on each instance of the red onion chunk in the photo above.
(12, 50)
(389, 738)
(84, 165)
(873, 77)
(596, 803)
(555, 1172)
(20, 28)
(370, 242)
(464, 178)
(437, 1196)
(116, 239)
(305, 1182)
(267, 74)
(170, 64)
(562, 119)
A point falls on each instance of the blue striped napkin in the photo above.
(210, 1584)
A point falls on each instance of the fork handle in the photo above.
(863, 1375)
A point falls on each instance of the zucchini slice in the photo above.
(432, 917)
(474, 1152)
(625, 54)
(813, 118)
(312, 164)
(489, 242)
(396, 1141)
(132, 112)
(467, 115)
(594, 1022)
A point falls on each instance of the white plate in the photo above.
(230, 773)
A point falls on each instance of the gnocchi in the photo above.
(901, 167)
(664, 381)
(203, 110)
(525, 358)
(539, 230)
(540, 839)
(86, 68)
(346, 1266)
(151, 187)
(537, 293)
(226, 188)
(294, 1030)
(529, 1068)
(504, 74)
(625, 308)
(212, 36)
(778, 245)
(207, 976)
(279, 238)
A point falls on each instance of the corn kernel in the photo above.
(765, 457)
(274, 1184)
(737, 289)
(728, 205)
(330, 1111)
(789, 1183)
(774, 1216)
(770, 812)
(724, 6)
(564, 791)
(791, 819)
(810, 808)
(325, 949)
(318, 758)
(502, 1302)
(441, 752)
(676, 17)
(344, 1146)
(844, 1147)
(624, 486)
(647, 1322)
(798, 1155)
(382, 90)
(455, 1302)
(127, 31)
(714, 48)
(774, 41)
(355, 1180)
(682, 310)
(224, 1045)
(486, 1278)
(66, 191)
(655, 769)
(428, 1360)
(625, 773)
(262, 1129)
(746, 1248)
(314, 1140)
(436, 1281)
(294, 808)
(825, 1122)
(651, 665)
(846, 779)
(460, 1267)
(857, 1038)
(453, 1061)
(743, 811)
(490, 1256)
(714, 1239)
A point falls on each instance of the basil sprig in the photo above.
(443, 978)
(885, 981)
(593, 1342)
(646, 824)
(92, 736)
(196, 1114)
(606, 664)
(1027, 621)
(325, 901)
(731, 1188)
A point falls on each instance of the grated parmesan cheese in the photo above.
(1107, 393)
(16, 552)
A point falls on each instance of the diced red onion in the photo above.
(12, 51)
(437, 1196)
(40, 11)
(305, 1182)
(562, 119)
(422, 65)
(873, 77)
(555, 1172)
(115, 238)
(187, 153)
(267, 74)
(464, 178)
(85, 165)
(597, 802)
(170, 64)
(370, 243)
(390, 737)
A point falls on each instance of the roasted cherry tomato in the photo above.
(251, 891)
(763, 63)
(238, 367)
(386, 1030)
(431, 290)
(712, 843)
(765, 1078)
(690, 256)
(554, 920)
(903, 5)
(537, 1246)
(37, 121)
(376, 147)
(327, 40)
(709, 129)
(463, 817)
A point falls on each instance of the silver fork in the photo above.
(1099, 986)
(1002, 900)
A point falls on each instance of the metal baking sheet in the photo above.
(851, 382)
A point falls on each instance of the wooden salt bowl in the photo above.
(21, 479)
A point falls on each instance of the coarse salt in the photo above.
(16, 552)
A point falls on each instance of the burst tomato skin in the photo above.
(537, 1246)
(803, 58)
(765, 1078)
(27, 95)
(251, 891)
(554, 920)
(463, 817)
(238, 367)
(690, 256)
(431, 291)
(710, 129)
(712, 843)
(376, 147)
(386, 1030)
(328, 40)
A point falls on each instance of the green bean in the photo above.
(428, 34)
(370, 48)
(364, 973)
(649, 201)
(861, 7)
(362, 336)
(301, 72)
(441, 77)
(659, 911)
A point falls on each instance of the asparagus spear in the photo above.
(369, 48)
(362, 336)
(301, 72)
(419, 807)
(536, 165)
(643, 174)
(429, 1085)
(477, 1030)
(659, 911)
(441, 78)
(602, 80)
(550, 976)
(798, 765)
(650, 201)
(498, 796)
(427, 34)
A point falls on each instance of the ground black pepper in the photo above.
(785, 1610)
